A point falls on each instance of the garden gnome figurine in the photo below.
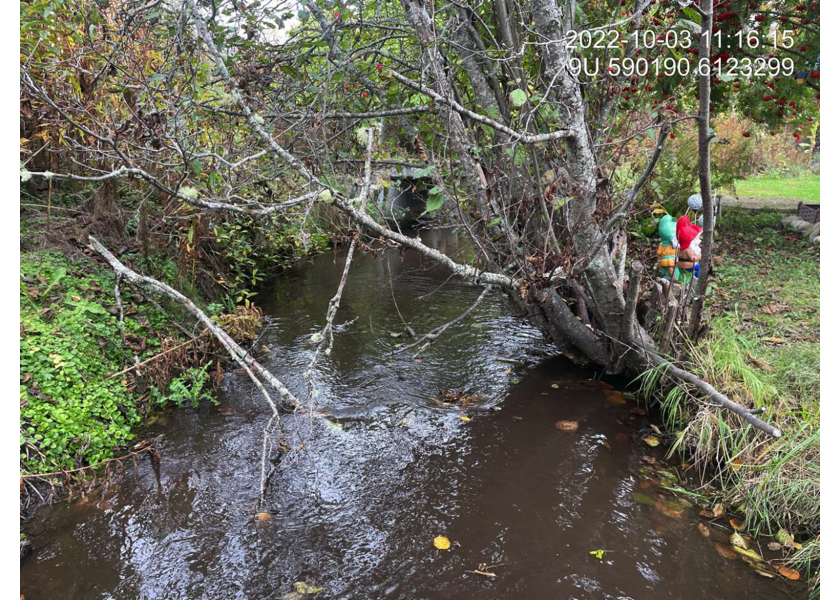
(688, 236)
(667, 251)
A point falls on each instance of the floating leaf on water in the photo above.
(764, 572)
(616, 397)
(651, 441)
(515, 381)
(736, 525)
(787, 572)
(555, 386)
(649, 460)
(442, 542)
(599, 554)
(718, 510)
(464, 418)
(726, 551)
(643, 498)
(671, 507)
(736, 540)
(263, 516)
(301, 587)
(706, 513)
(333, 425)
(316, 337)
(566, 425)
(704, 530)
(748, 555)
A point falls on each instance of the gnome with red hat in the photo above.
(688, 236)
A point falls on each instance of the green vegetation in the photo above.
(73, 413)
(805, 187)
(763, 351)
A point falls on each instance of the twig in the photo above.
(157, 356)
(434, 334)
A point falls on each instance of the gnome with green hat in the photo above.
(667, 251)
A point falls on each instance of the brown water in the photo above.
(355, 507)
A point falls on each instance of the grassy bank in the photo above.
(763, 350)
(805, 187)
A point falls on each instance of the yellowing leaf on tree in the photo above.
(442, 542)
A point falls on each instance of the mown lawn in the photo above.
(805, 187)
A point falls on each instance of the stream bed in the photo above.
(356, 504)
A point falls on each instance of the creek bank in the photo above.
(355, 508)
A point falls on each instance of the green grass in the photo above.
(805, 187)
(763, 350)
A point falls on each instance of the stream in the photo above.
(356, 504)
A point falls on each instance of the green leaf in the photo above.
(693, 15)
(434, 202)
(518, 98)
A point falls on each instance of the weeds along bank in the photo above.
(764, 352)
(89, 372)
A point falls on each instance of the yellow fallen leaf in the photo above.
(718, 510)
(442, 542)
(463, 418)
(704, 530)
(651, 441)
(263, 516)
(737, 526)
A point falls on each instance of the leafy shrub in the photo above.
(190, 386)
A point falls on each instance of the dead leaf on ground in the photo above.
(788, 573)
(774, 546)
(736, 525)
(704, 530)
(760, 363)
(706, 513)
(651, 441)
(773, 308)
(718, 510)
(726, 551)
(649, 460)
(764, 572)
(566, 425)
(748, 555)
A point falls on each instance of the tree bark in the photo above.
(704, 171)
